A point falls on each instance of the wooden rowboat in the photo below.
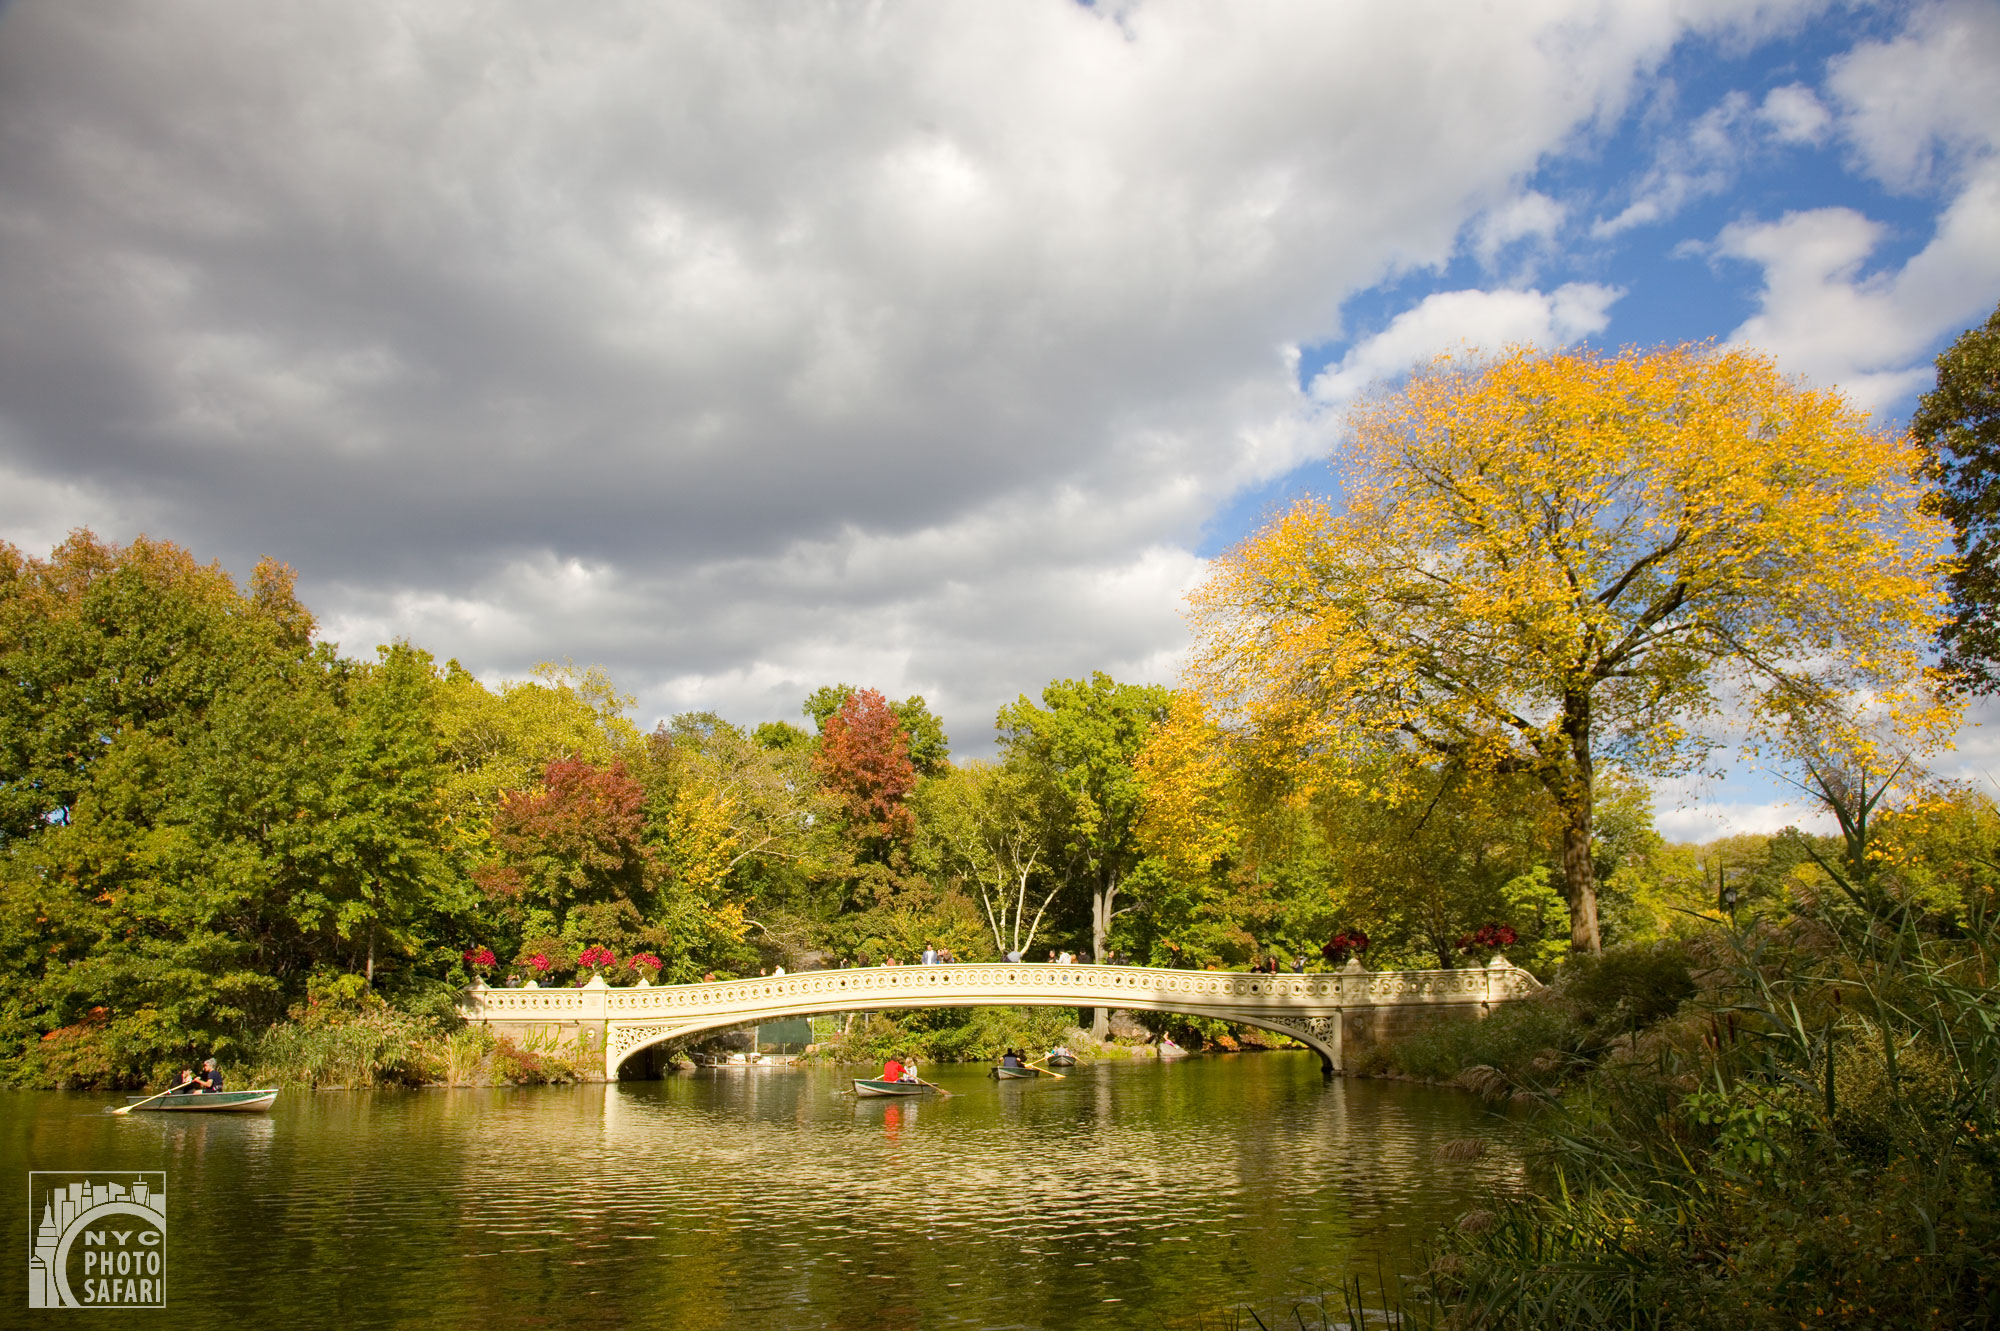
(1014, 1074)
(1061, 1060)
(219, 1102)
(867, 1088)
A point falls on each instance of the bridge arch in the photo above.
(626, 1040)
(1310, 1008)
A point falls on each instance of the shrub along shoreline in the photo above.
(1808, 1135)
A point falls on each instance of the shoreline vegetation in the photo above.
(1792, 1120)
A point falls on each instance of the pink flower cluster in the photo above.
(481, 957)
(596, 956)
(645, 961)
(540, 961)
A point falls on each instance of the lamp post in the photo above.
(1726, 895)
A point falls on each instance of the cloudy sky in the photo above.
(746, 347)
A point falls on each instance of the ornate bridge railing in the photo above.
(1314, 1009)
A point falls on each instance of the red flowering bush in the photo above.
(480, 957)
(1344, 945)
(540, 961)
(645, 961)
(1488, 938)
(595, 956)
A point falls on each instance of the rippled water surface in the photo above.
(1130, 1194)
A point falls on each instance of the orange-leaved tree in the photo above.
(1545, 559)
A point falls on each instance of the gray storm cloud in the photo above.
(742, 347)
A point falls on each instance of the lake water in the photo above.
(1129, 1195)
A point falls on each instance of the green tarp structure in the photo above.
(784, 1037)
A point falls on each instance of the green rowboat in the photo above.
(867, 1088)
(220, 1102)
(1014, 1074)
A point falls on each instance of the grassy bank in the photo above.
(1792, 1124)
(1598, 1008)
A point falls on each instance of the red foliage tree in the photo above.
(576, 840)
(864, 758)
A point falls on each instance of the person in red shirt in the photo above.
(892, 1070)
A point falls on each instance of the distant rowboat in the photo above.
(216, 1102)
(1014, 1074)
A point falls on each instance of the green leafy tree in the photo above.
(997, 827)
(1085, 736)
(1958, 427)
(783, 736)
(208, 808)
(930, 748)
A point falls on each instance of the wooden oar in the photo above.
(934, 1086)
(126, 1109)
(1039, 1068)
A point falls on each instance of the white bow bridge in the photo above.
(1313, 1009)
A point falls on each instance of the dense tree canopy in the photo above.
(1423, 721)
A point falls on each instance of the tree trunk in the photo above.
(1574, 796)
(1101, 903)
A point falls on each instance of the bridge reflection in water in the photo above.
(1323, 1011)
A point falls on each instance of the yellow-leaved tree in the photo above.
(1545, 558)
(1184, 771)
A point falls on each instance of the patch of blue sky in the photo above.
(1697, 142)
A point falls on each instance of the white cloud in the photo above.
(1924, 106)
(1707, 820)
(1823, 317)
(1450, 320)
(1921, 109)
(1692, 162)
(1528, 216)
(1794, 114)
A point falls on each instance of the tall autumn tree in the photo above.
(864, 759)
(923, 731)
(1547, 557)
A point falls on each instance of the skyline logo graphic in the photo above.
(98, 1239)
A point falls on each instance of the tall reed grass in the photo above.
(1813, 1142)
